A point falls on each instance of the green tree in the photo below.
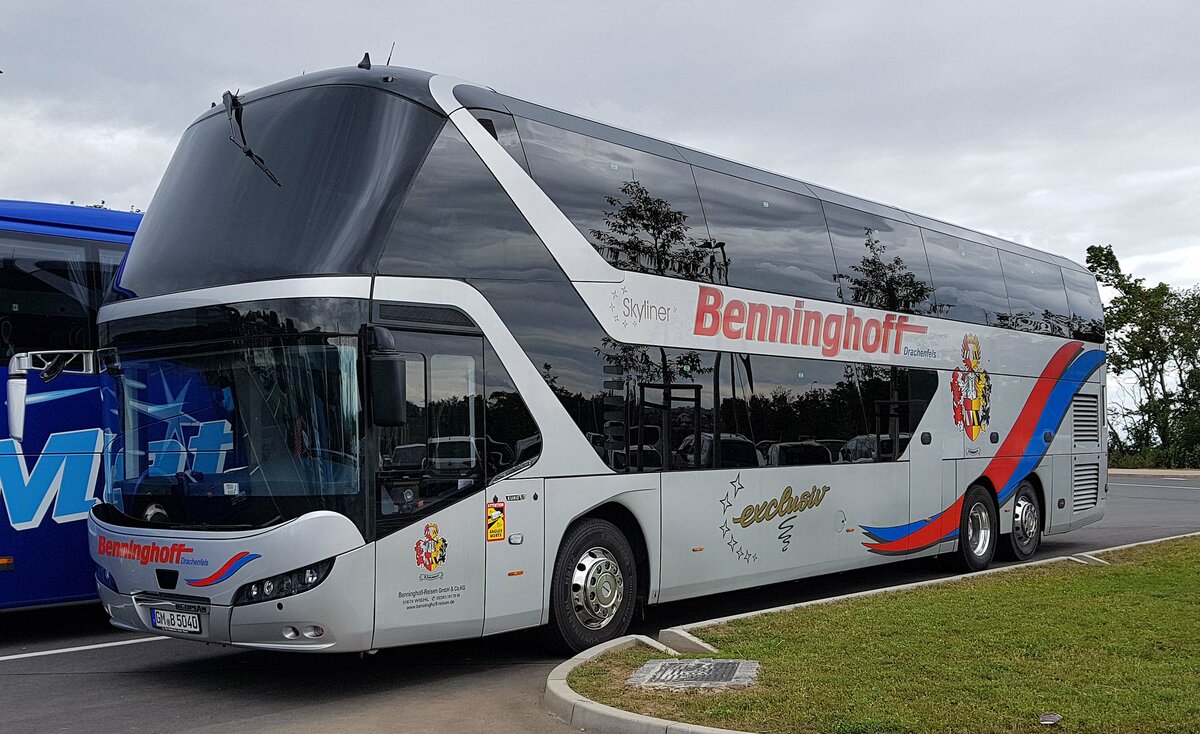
(1151, 336)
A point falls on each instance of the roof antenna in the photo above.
(390, 50)
(366, 62)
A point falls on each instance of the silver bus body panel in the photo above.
(331, 286)
(429, 583)
(569, 498)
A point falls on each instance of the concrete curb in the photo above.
(585, 714)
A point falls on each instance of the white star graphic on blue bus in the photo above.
(170, 411)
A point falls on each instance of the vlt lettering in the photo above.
(64, 473)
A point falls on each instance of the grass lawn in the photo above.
(1111, 648)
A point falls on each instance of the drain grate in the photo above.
(702, 673)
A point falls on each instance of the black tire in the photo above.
(1026, 535)
(978, 530)
(589, 551)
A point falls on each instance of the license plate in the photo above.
(170, 621)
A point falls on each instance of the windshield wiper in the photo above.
(233, 110)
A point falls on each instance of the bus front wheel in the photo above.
(594, 586)
(978, 530)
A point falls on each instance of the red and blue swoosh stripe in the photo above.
(230, 567)
(1064, 375)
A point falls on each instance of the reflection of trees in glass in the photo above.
(888, 285)
(645, 234)
(1048, 323)
(785, 414)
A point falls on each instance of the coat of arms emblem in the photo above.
(971, 387)
(431, 549)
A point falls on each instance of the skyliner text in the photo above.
(832, 332)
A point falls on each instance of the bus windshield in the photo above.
(247, 437)
(343, 157)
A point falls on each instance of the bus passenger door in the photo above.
(928, 474)
(428, 496)
(514, 531)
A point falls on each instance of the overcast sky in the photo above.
(1058, 125)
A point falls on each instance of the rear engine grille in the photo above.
(1085, 487)
(1085, 418)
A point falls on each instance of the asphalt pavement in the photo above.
(488, 685)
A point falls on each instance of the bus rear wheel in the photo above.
(1026, 533)
(978, 530)
(594, 586)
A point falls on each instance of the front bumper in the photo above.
(328, 618)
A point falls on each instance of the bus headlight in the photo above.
(285, 584)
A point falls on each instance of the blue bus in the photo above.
(55, 263)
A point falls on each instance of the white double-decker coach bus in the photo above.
(413, 360)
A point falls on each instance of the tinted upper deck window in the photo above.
(344, 156)
(1087, 310)
(774, 240)
(639, 210)
(968, 283)
(881, 262)
(457, 222)
(1036, 294)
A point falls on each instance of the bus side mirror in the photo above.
(17, 387)
(388, 390)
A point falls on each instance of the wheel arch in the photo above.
(985, 481)
(622, 517)
(1039, 490)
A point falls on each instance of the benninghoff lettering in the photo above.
(786, 504)
(831, 332)
(143, 554)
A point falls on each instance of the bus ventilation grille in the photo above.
(1085, 418)
(1085, 487)
(425, 315)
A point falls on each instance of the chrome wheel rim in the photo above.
(597, 588)
(1025, 521)
(979, 529)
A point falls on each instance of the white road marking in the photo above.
(61, 650)
(1159, 486)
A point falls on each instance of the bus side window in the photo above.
(512, 438)
(1036, 294)
(46, 294)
